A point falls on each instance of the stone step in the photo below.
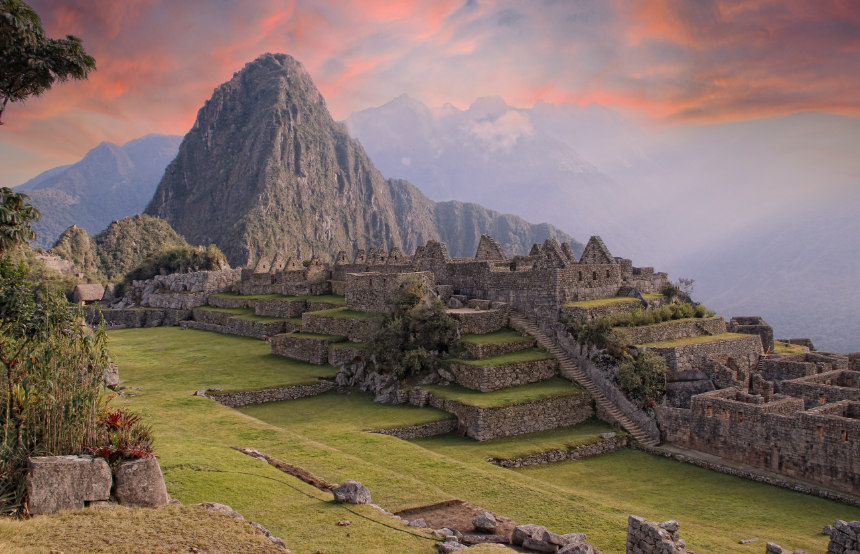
(570, 370)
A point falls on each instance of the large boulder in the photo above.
(57, 483)
(352, 492)
(140, 483)
(485, 522)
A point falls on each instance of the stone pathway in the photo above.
(569, 369)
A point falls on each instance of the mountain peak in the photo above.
(488, 107)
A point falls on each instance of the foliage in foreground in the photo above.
(53, 367)
(32, 62)
(411, 341)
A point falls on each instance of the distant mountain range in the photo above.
(266, 169)
(109, 183)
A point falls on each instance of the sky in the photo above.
(672, 62)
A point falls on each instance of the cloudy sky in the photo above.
(678, 62)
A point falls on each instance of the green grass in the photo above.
(652, 296)
(786, 348)
(194, 436)
(294, 320)
(519, 446)
(318, 336)
(505, 397)
(603, 302)
(348, 314)
(704, 339)
(520, 356)
(260, 318)
(273, 296)
(502, 336)
(669, 322)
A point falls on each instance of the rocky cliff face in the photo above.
(265, 169)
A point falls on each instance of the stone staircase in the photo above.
(570, 370)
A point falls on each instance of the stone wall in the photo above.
(345, 353)
(281, 308)
(479, 322)
(590, 450)
(818, 445)
(754, 325)
(645, 537)
(422, 431)
(137, 317)
(477, 351)
(292, 392)
(373, 292)
(744, 351)
(547, 413)
(353, 328)
(844, 537)
(824, 388)
(181, 290)
(231, 301)
(668, 330)
(255, 329)
(490, 378)
(296, 346)
(802, 365)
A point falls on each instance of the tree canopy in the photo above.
(16, 214)
(32, 62)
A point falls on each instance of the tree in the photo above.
(32, 62)
(16, 214)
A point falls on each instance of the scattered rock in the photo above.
(352, 492)
(344, 523)
(268, 534)
(450, 546)
(485, 522)
(140, 483)
(199, 392)
(827, 529)
(482, 539)
(445, 374)
(577, 547)
(608, 435)
(522, 532)
(418, 523)
(747, 541)
(538, 545)
(221, 509)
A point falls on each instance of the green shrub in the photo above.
(643, 378)
(670, 291)
(701, 311)
(175, 259)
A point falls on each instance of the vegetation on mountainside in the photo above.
(502, 336)
(119, 249)
(176, 259)
(32, 62)
(323, 435)
(643, 377)
(411, 340)
(42, 278)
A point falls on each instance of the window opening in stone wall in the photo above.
(607, 274)
(594, 276)
(820, 431)
(580, 276)
(822, 399)
(710, 412)
(844, 435)
(740, 417)
(725, 415)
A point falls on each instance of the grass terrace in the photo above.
(348, 314)
(603, 302)
(505, 397)
(349, 344)
(260, 318)
(786, 348)
(652, 296)
(528, 355)
(704, 339)
(502, 336)
(330, 298)
(519, 446)
(671, 322)
(234, 311)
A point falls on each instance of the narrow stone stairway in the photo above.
(570, 369)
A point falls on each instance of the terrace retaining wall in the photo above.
(478, 351)
(290, 392)
(422, 431)
(490, 378)
(590, 450)
(352, 328)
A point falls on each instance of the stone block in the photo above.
(140, 483)
(66, 482)
(352, 492)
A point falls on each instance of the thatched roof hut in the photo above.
(88, 293)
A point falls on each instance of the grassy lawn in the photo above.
(194, 437)
(348, 314)
(603, 302)
(234, 311)
(694, 340)
(528, 355)
(505, 397)
(502, 336)
(715, 510)
(515, 447)
(652, 295)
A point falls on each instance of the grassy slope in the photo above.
(527, 355)
(602, 302)
(348, 314)
(694, 340)
(194, 436)
(504, 397)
